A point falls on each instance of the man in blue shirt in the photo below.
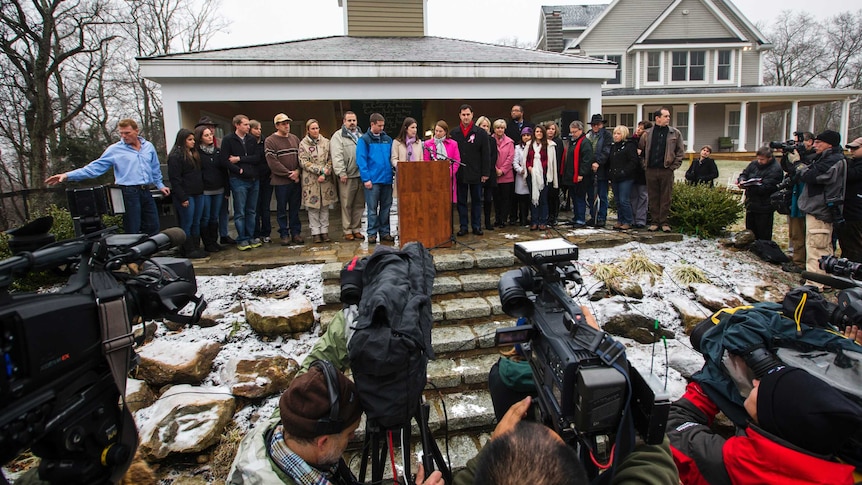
(372, 157)
(136, 168)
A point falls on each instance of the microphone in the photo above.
(170, 237)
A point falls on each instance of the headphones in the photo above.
(332, 424)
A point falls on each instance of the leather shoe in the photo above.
(462, 232)
(489, 227)
(478, 231)
(298, 239)
(387, 238)
(358, 236)
(349, 237)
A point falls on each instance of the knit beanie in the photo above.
(831, 137)
(806, 411)
(306, 401)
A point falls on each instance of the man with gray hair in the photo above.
(350, 190)
(577, 164)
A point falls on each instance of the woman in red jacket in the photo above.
(798, 423)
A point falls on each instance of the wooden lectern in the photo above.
(425, 203)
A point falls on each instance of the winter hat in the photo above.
(526, 131)
(806, 411)
(831, 137)
(306, 402)
(205, 121)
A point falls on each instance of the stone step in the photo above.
(446, 262)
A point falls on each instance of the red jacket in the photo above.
(753, 457)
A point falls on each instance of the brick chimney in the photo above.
(554, 31)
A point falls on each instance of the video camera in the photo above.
(846, 276)
(586, 388)
(66, 354)
(790, 145)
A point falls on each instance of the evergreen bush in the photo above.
(703, 211)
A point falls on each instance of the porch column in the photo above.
(690, 138)
(794, 118)
(811, 121)
(639, 113)
(784, 122)
(743, 126)
(845, 121)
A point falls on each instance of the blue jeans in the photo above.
(262, 221)
(378, 201)
(142, 216)
(244, 205)
(579, 197)
(539, 213)
(603, 200)
(223, 215)
(475, 191)
(287, 199)
(622, 194)
(190, 217)
(212, 209)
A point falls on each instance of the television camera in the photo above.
(587, 391)
(790, 145)
(65, 354)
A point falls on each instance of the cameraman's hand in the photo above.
(793, 156)
(852, 332)
(436, 478)
(512, 417)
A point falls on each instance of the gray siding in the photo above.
(735, 20)
(750, 68)
(622, 26)
(385, 18)
(709, 125)
(698, 24)
(629, 70)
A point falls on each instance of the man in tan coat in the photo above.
(350, 190)
(662, 148)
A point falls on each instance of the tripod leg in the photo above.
(430, 451)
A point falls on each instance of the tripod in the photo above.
(377, 446)
(453, 240)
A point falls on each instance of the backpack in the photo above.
(769, 251)
(391, 343)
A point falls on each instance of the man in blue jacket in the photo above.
(372, 156)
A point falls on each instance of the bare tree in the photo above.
(795, 58)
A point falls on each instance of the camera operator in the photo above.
(796, 218)
(760, 179)
(524, 452)
(820, 199)
(304, 443)
(797, 421)
(850, 237)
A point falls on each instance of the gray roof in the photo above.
(377, 49)
(576, 16)
(720, 90)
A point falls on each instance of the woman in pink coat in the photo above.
(505, 190)
(441, 147)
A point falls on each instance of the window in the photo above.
(682, 123)
(688, 66)
(733, 124)
(628, 120)
(618, 78)
(612, 120)
(722, 71)
(653, 67)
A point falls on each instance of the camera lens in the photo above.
(513, 295)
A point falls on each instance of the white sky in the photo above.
(267, 21)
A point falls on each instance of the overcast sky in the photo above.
(266, 21)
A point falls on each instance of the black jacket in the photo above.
(492, 154)
(853, 192)
(513, 132)
(475, 150)
(757, 196)
(185, 176)
(623, 162)
(263, 171)
(568, 177)
(249, 156)
(702, 171)
(213, 172)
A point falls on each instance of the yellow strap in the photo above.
(797, 314)
(730, 311)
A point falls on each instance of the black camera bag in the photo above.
(391, 343)
(769, 251)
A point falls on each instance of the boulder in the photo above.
(714, 297)
(174, 362)
(145, 331)
(258, 376)
(279, 317)
(690, 312)
(138, 395)
(627, 288)
(186, 419)
(636, 327)
(743, 239)
(761, 293)
(210, 318)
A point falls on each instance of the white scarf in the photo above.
(536, 173)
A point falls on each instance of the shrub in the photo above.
(700, 210)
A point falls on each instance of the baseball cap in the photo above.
(280, 118)
(855, 143)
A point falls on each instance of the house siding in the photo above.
(750, 68)
(708, 125)
(700, 23)
(622, 26)
(385, 18)
(734, 20)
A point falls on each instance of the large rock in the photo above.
(635, 326)
(254, 377)
(743, 238)
(690, 312)
(186, 419)
(279, 317)
(714, 297)
(138, 395)
(173, 362)
(626, 288)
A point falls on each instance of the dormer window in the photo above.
(688, 66)
(724, 65)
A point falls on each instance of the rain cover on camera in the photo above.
(391, 344)
(822, 353)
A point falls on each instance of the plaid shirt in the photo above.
(294, 466)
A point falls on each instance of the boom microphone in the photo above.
(169, 238)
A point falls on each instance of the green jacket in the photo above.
(332, 345)
(646, 465)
